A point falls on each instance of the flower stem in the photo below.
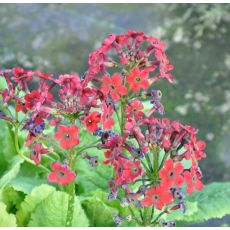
(71, 192)
(19, 151)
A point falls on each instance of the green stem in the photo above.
(71, 192)
(163, 160)
(157, 218)
(147, 216)
(19, 151)
(149, 162)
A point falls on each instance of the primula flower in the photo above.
(32, 99)
(35, 155)
(113, 86)
(91, 121)
(171, 174)
(157, 196)
(67, 136)
(61, 174)
(134, 109)
(192, 179)
(138, 79)
(107, 120)
(21, 107)
(132, 170)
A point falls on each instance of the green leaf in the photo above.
(11, 198)
(191, 208)
(51, 212)
(31, 202)
(96, 203)
(27, 184)
(6, 219)
(212, 202)
(12, 172)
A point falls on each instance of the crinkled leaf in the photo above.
(11, 198)
(12, 171)
(52, 211)
(6, 219)
(31, 202)
(212, 202)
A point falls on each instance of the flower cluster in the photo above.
(116, 101)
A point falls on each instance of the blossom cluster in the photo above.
(116, 101)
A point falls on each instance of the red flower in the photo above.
(171, 174)
(134, 109)
(61, 174)
(138, 79)
(113, 86)
(21, 107)
(91, 121)
(35, 155)
(32, 99)
(68, 136)
(20, 74)
(157, 196)
(132, 170)
(107, 120)
(192, 179)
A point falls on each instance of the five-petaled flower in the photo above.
(138, 79)
(35, 155)
(113, 86)
(157, 196)
(192, 178)
(171, 174)
(61, 174)
(91, 121)
(67, 136)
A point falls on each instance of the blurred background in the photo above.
(57, 38)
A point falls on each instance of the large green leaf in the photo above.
(26, 184)
(51, 212)
(11, 198)
(212, 202)
(98, 210)
(31, 202)
(6, 219)
(12, 171)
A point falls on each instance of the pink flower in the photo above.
(113, 86)
(67, 136)
(61, 174)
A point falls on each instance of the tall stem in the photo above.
(71, 192)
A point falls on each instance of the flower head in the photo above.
(91, 121)
(192, 178)
(157, 196)
(171, 174)
(67, 136)
(107, 120)
(35, 155)
(138, 79)
(61, 174)
(113, 86)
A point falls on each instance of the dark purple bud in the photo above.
(182, 207)
(156, 95)
(112, 196)
(169, 224)
(117, 220)
(93, 161)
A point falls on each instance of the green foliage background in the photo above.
(58, 37)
